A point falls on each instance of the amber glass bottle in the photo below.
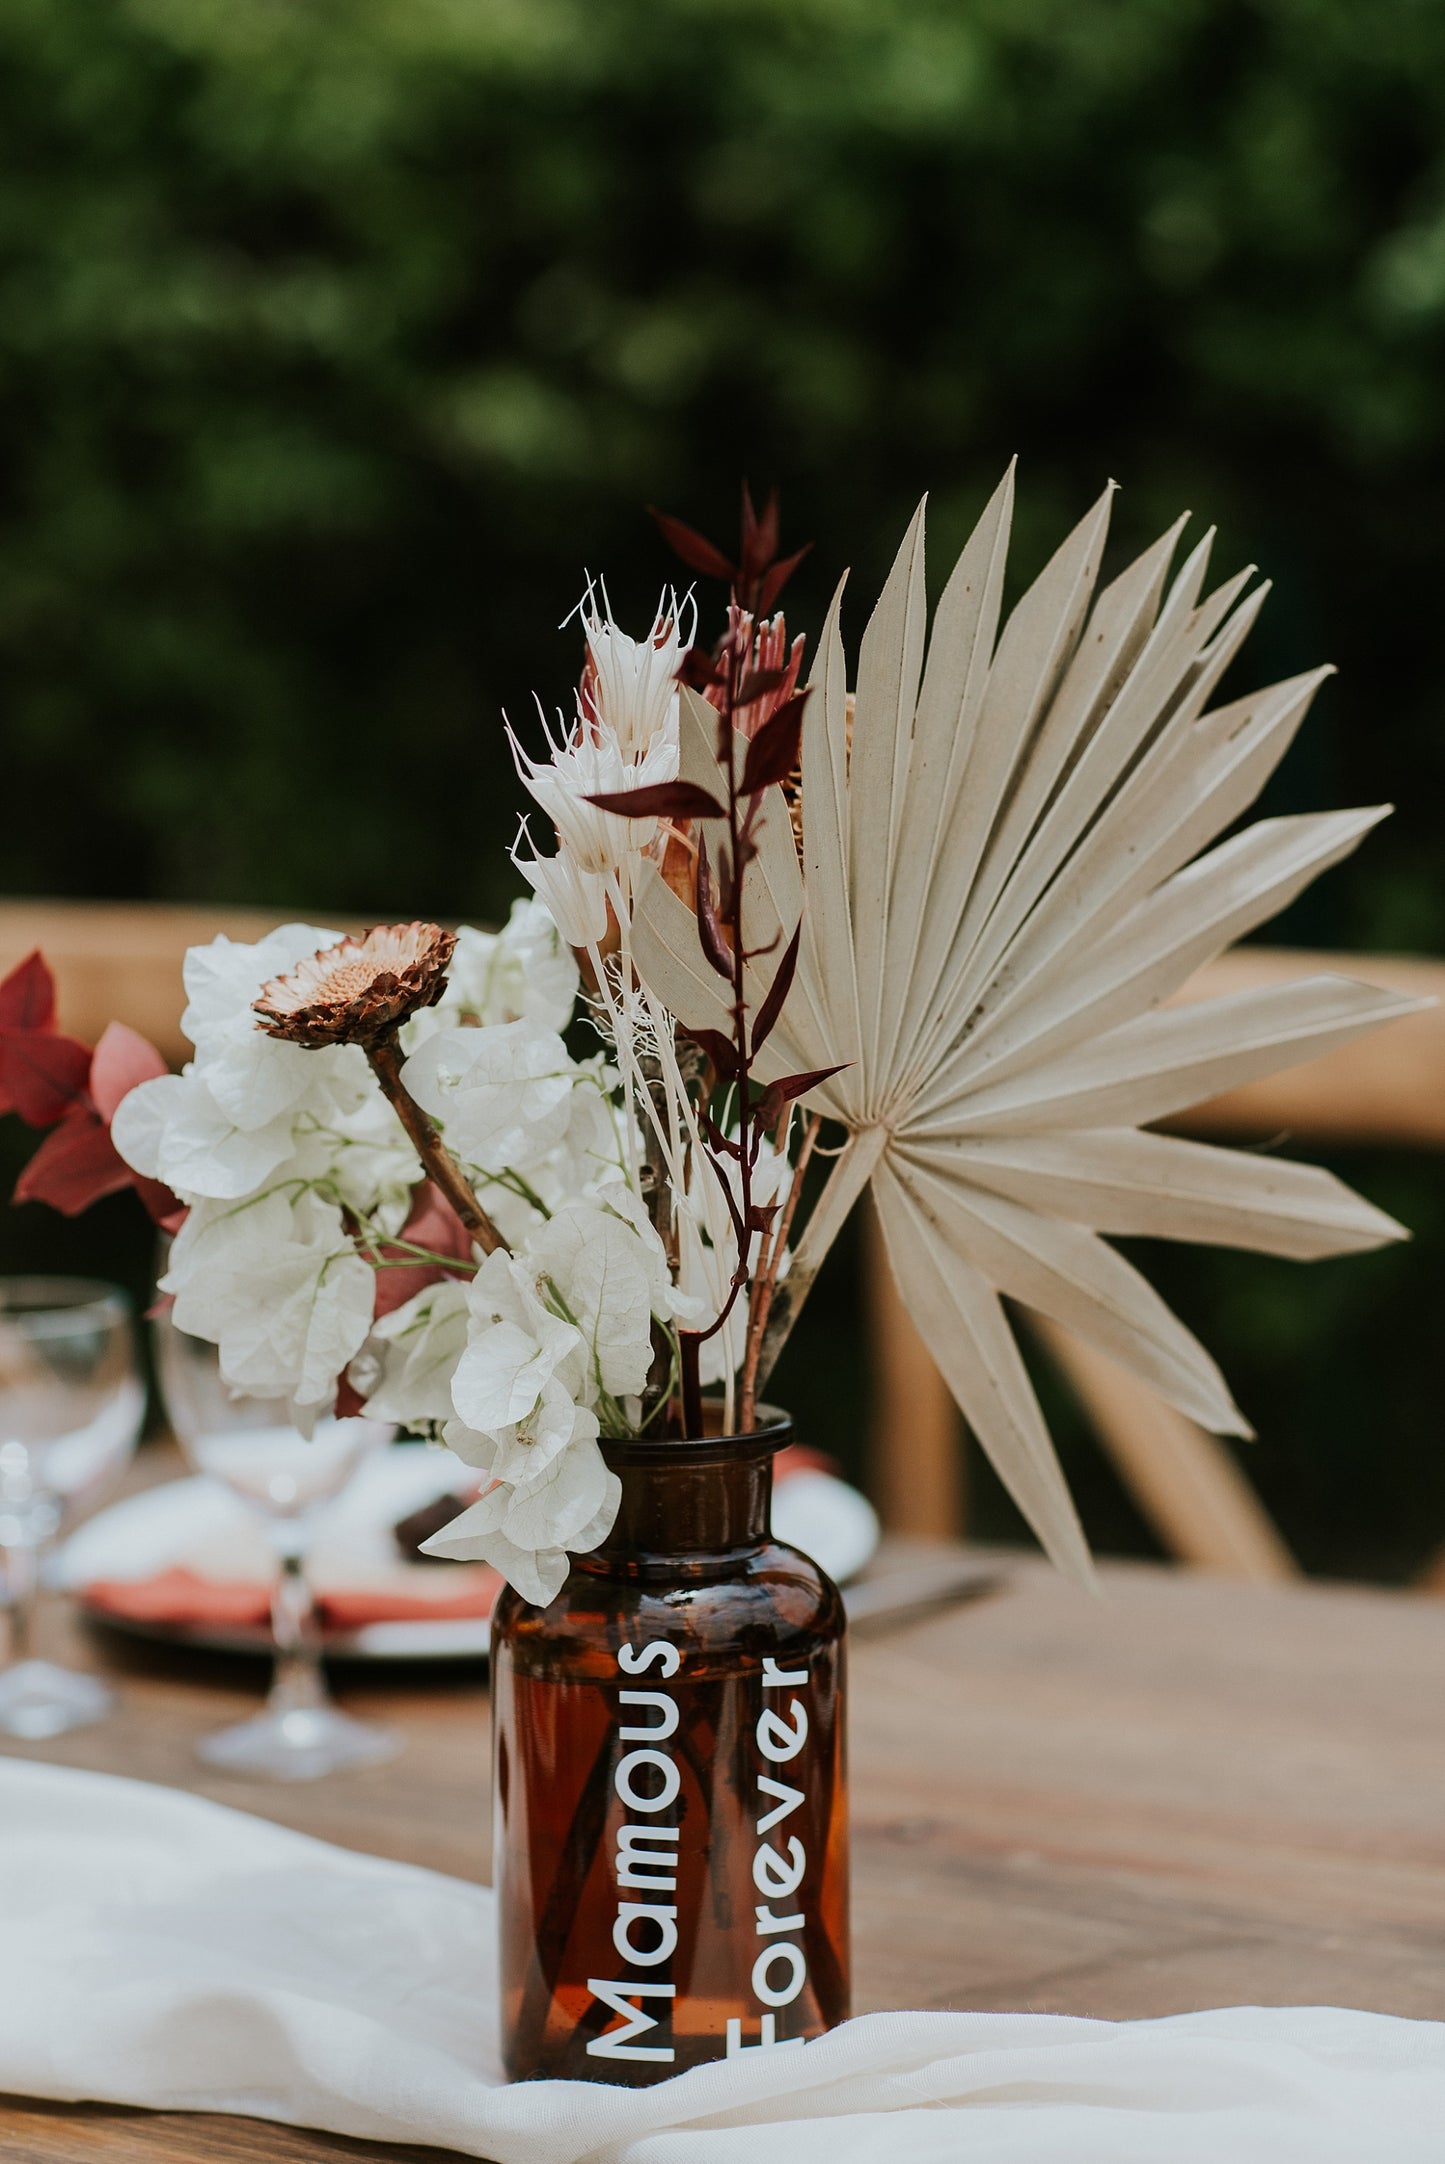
(671, 1855)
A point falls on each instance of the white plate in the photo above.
(200, 1524)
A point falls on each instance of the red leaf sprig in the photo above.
(53, 1080)
(759, 574)
(751, 678)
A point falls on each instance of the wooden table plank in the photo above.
(1186, 1793)
(33, 2133)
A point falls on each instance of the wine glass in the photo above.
(252, 1447)
(71, 1408)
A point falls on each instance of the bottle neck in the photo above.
(686, 1502)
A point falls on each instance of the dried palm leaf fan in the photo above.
(1003, 885)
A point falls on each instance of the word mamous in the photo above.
(647, 1782)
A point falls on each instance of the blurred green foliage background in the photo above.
(338, 337)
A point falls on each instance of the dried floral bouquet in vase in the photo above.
(917, 936)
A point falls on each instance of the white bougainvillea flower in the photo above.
(419, 1345)
(358, 991)
(252, 1077)
(257, 1082)
(171, 1128)
(357, 1151)
(225, 1126)
(538, 1574)
(591, 1154)
(267, 1267)
(501, 1094)
(515, 1345)
(608, 1270)
(562, 1498)
(223, 977)
(524, 973)
(518, 1452)
(1004, 887)
(512, 1212)
(525, 1532)
(278, 1287)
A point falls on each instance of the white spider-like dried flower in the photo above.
(1003, 888)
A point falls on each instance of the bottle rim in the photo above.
(773, 1432)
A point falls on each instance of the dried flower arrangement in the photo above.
(940, 916)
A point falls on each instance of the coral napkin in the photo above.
(179, 1595)
(159, 1950)
(189, 1552)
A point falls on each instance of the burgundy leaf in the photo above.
(778, 577)
(695, 550)
(797, 1085)
(661, 800)
(719, 1049)
(773, 752)
(121, 1060)
(738, 1226)
(718, 1141)
(772, 1006)
(725, 885)
(42, 1074)
(698, 670)
(27, 995)
(74, 1166)
(769, 1107)
(760, 535)
(709, 928)
(758, 682)
(761, 1215)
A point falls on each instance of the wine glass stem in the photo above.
(22, 1575)
(26, 1524)
(298, 1681)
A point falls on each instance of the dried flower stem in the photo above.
(740, 845)
(737, 679)
(765, 1283)
(441, 1166)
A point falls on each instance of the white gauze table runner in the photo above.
(158, 1950)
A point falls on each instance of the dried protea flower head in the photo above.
(360, 990)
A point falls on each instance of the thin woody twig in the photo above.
(767, 1278)
(739, 674)
(442, 1168)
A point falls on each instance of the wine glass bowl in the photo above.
(253, 1447)
(71, 1408)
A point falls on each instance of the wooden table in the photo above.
(1187, 1793)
